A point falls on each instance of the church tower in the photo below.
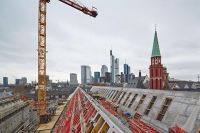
(157, 71)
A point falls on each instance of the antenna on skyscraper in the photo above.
(155, 27)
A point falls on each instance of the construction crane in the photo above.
(42, 47)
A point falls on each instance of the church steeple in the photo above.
(156, 49)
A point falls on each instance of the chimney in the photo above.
(110, 52)
(140, 75)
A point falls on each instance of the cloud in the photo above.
(74, 39)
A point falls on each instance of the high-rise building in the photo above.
(112, 67)
(73, 78)
(158, 73)
(108, 77)
(104, 69)
(116, 69)
(5, 81)
(23, 80)
(126, 72)
(47, 79)
(17, 81)
(96, 77)
(85, 74)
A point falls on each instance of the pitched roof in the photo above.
(156, 49)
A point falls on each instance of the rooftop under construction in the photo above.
(99, 109)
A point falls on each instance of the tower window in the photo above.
(140, 102)
(150, 105)
(130, 104)
(164, 109)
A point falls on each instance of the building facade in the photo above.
(104, 69)
(126, 72)
(73, 78)
(96, 77)
(85, 74)
(158, 73)
(5, 81)
(112, 67)
(117, 66)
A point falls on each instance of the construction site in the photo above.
(96, 109)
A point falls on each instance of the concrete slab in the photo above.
(47, 127)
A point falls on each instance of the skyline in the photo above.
(130, 35)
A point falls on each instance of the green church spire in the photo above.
(156, 49)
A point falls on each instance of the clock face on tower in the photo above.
(156, 61)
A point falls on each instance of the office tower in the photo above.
(96, 77)
(5, 81)
(73, 78)
(126, 72)
(104, 69)
(112, 67)
(85, 74)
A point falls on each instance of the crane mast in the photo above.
(42, 48)
(42, 57)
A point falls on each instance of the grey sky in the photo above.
(74, 39)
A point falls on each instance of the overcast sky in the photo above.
(75, 39)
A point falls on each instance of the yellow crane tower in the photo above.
(42, 47)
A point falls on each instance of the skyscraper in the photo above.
(5, 81)
(104, 69)
(96, 77)
(117, 66)
(158, 73)
(23, 80)
(126, 72)
(85, 74)
(73, 78)
(112, 67)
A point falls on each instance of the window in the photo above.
(150, 105)
(164, 109)
(126, 98)
(140, 102)
(130, 104)
(121, 98)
